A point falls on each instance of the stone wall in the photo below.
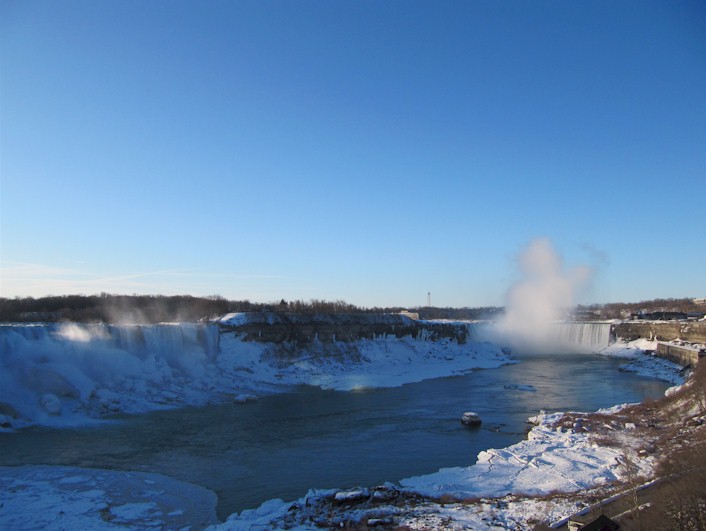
(690, 331)
(683, 355)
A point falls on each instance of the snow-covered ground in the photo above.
(64, 381)
(549, 459)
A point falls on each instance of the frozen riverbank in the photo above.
(506, 487)
(640, 359)
(418, 510)
(512, 488)
(59, 498)
(69, 374)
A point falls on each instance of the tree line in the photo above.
(108, 308)
(111, 308)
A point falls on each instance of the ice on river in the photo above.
(57, 498)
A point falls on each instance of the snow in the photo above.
(381, 362)
(356, 494)
(259, 518)
(234, 319)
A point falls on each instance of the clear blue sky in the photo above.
(370, 151)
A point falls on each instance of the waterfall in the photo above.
(480, 331)
(586, 337)
(137, 340)
(555, 337)
(45, 369)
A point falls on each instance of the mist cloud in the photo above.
(544, 293)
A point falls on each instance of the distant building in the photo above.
(662, 316)
(699, 301)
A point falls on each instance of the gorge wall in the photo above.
(302, 329)
(690, 331)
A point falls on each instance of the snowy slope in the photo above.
(69, 374)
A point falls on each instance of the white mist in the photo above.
(542, 296)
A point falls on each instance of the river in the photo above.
(280, 446)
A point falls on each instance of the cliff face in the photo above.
(691, 331)
(301, 329)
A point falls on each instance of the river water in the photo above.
(280, 446)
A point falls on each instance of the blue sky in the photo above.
(370, 151)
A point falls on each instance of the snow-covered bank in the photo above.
(640, 359)
(550, 459)
(58, 375)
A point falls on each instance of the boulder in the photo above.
(470, 418)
